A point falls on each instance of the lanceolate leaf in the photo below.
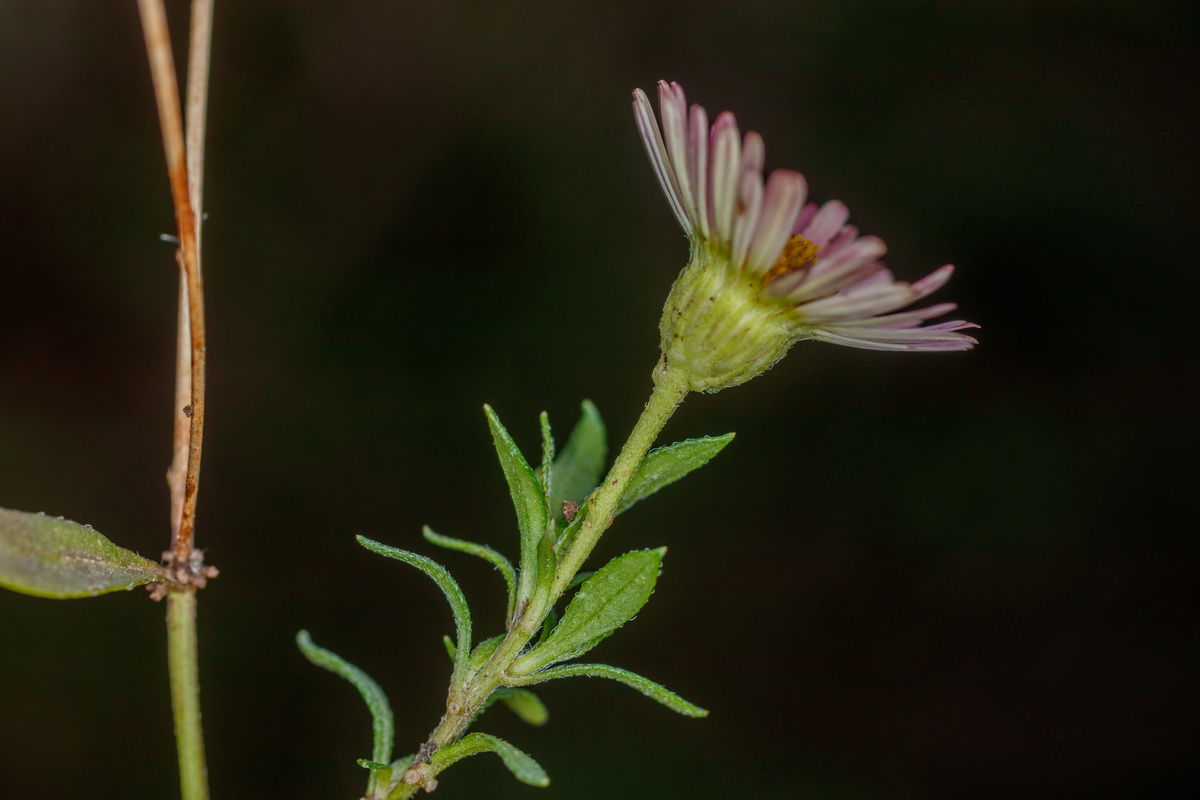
(524, 768)
(605, 602)
(458, 603)
(546, 471)
(528, 500)
(653, 690)
(54, 557)
(578, 467)
(666, 465)
(376, 700)
(482, 551)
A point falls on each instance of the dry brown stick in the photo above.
(190, 360)
(199, 53)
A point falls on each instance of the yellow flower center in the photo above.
(799, 253)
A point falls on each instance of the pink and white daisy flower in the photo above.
(767, 269)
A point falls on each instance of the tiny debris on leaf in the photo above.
(569, 510)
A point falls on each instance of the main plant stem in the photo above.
(185, 165)
(185, 694)
(462, 705)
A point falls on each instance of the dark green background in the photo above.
(909, 577)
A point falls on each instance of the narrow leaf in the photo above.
(605, 602)
(525, 704)
(548, 624)
(54, 557)
(458, 603)
(528, 501)
(372, 765)
(376, 700)
(546, 472)
(482, 551)
(666, 465)
(484, 651)
(578, 467)
(524, 768)
(568, 533)
(654, 691)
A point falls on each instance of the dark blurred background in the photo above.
(910, 576)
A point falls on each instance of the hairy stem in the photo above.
(668, 393)
(461, 706)
(185, 694)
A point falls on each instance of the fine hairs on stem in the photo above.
(185, 168)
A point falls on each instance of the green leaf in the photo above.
(484, 651)
(525, 704)
(579, 579)
(376, 700)
(571, 530)
(372, 765)
(546, 472)
(578, 468)
(666, 465)
(458, 603)
(654, 691)
(54, 557)
(548, 624)
(528, 501)
(605, 602)
(482, 551)
(524, 768)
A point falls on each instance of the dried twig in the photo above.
(185, 167)
(184, 474)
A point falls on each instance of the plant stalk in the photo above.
(185, 166)
(185, 694)
(462, 705)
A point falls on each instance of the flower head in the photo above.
(767, 269)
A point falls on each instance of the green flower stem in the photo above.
(669, 392)
(461, 707)
(185, 693)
